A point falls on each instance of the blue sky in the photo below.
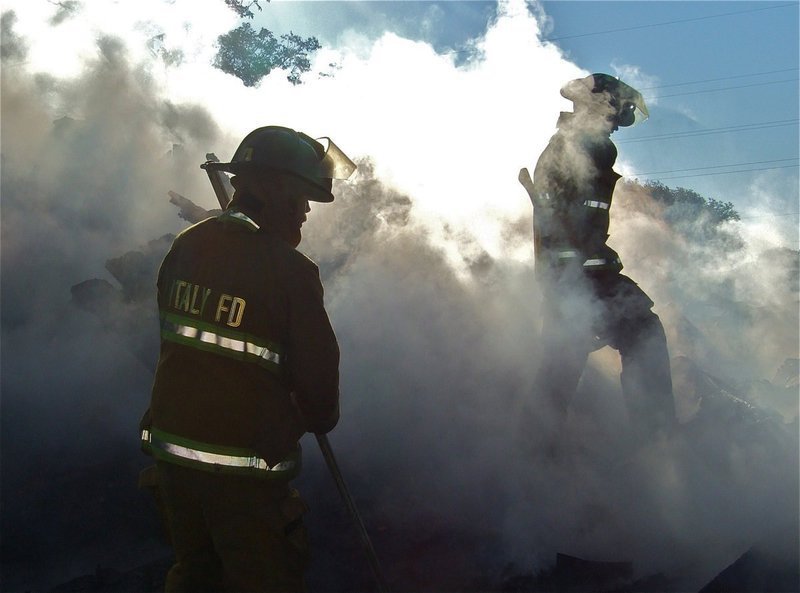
(449, 99)
(720, 79)
(755, 42)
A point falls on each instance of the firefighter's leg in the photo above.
(565, 348)
(646, 377)
(197, 567)
(148, 481)
(563, 361)
(258, 532)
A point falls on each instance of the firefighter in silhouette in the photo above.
(587, 301)
(248, 364)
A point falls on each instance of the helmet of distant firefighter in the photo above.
(603, 94)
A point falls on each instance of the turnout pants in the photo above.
(232, 533)
(610, 309)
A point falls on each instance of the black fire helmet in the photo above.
(275, 148)
(627, 101)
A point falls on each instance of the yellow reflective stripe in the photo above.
(239, 346)
(228, 343)
(589, 263)
(600, 262)
(210, 457)
(594, 262)
(597, 204)
(567, 254)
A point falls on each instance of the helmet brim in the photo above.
(317, 173)
(311, 191)
(580, 90)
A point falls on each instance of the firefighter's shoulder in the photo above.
(291, 257)
(192, 228)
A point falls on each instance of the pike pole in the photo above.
(330, 460)
(220, 183)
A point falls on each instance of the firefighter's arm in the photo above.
(312, 352)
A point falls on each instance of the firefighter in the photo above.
(249, 363)
(587, 301)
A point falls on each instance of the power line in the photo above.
(729, 172)
(716, 167)
(699, 18)
(713, 131)
(663, 86)
(769, 215)
(728, 88)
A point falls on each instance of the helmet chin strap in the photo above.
(284, 207)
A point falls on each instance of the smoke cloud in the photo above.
(426, 260)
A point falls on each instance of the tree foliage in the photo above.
(695, 216)
(722, 211)
(692, 203)
(242, 9)
(250, 55)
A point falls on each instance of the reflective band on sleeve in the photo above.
(597, 204)
(188, 332)
(600, 261)
(176, 449)
(568, 253)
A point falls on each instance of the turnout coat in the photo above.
(249, 360)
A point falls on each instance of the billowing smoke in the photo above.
(85, 163)
(440, 370)
(426, 261)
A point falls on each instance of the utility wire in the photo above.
(663, 86)
(769, 215)
(728, 172)
(699, 18)
(713, 131)
(728, 88)
(716, 167)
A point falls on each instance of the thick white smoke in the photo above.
(426, 259)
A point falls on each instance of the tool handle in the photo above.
(524, 178)
(330, 460)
